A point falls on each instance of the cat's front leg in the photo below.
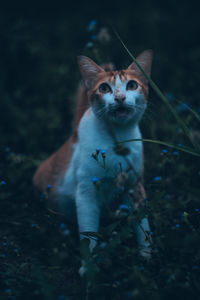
(88, 215)
(142, 228)
(143, 238)
(88, 211)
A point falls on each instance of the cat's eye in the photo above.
(132, 85)
(104, 88)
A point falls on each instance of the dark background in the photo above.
(39, 76)
(39, 73)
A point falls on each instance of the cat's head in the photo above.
(121, 95)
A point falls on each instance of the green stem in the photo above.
(182, 148)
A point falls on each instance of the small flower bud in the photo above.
(92, 25)
(103, 153)
(157, 178)
(96, 182)
(176, 153)
(164, 150)
(124, 207)
(94, 155)
(98, 150)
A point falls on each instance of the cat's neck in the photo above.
(113, 126)
(106, 127)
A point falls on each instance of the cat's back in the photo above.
(51, 170)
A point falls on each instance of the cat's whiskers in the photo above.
(101, 112)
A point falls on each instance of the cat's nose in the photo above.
(120, 99)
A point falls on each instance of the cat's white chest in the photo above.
(93, 134)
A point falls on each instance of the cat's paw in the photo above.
(82, 270)
(146, 252)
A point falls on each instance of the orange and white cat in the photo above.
(109, 107)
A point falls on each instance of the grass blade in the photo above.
(160, 94)
(182, 148)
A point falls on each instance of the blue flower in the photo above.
(180, 145)
(151, 233)
(7, 149)
(103, 151)
(48, 186)
(123, 206)
(177, 225)
(3, 182)
(8, 291)
(157, 178)
(103, 154)
(164, 150)
(103, 245)
(32, 225)
(98, 150)
(93, 37)
(129, 294)
(42, 196)
(89, 45)
(141, 268)
(170, 96)
(182, 107)
(176, 153)
(63, 225)
(92, 25)
(94, 179)
(3, 255)
(196, 209)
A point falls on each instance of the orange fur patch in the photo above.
(124, 75)
(89, 112)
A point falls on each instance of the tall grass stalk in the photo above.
(165, 100)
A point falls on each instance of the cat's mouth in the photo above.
(121, 111)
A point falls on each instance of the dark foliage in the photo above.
(39, 252)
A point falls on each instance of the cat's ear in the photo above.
(90, 71)
(145, 61)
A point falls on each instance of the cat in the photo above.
(110, 105)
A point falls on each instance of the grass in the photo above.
(40, 253)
